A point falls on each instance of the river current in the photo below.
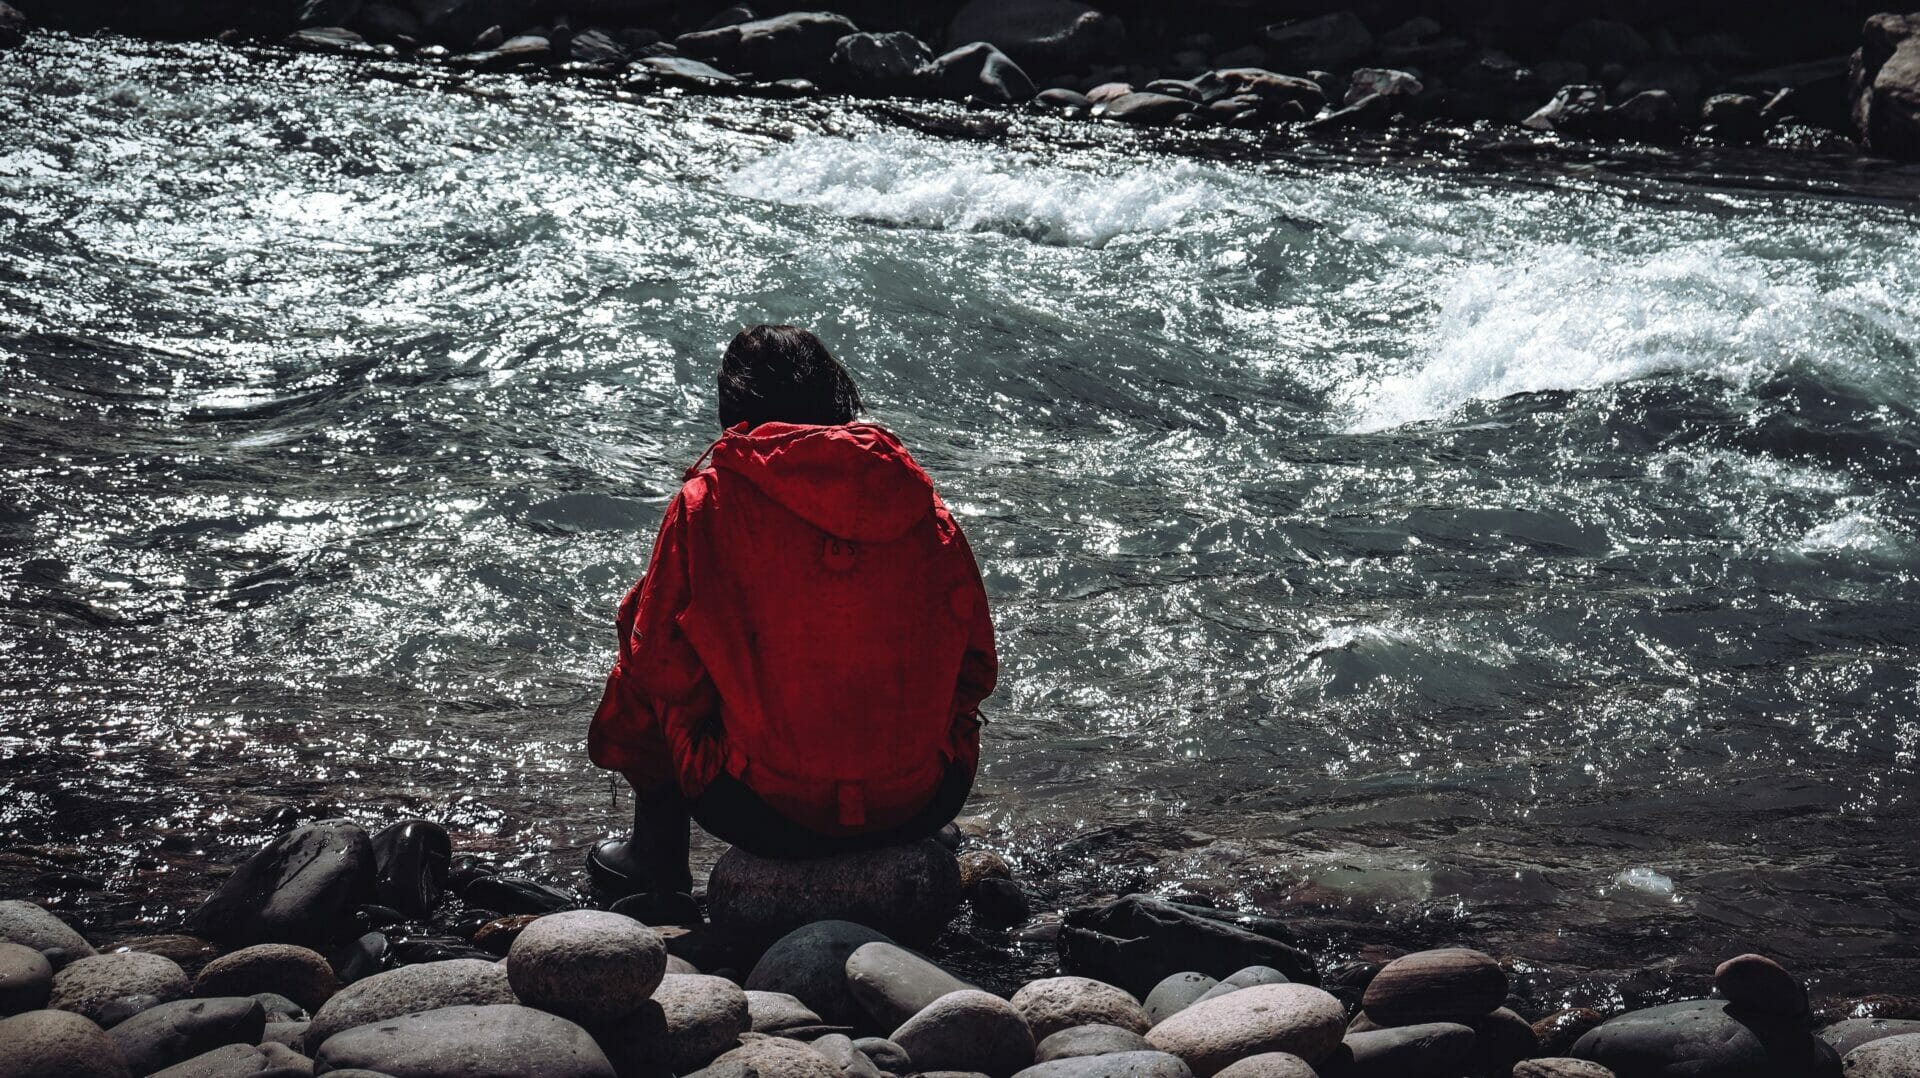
(1427, 551)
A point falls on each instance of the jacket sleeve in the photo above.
(979, 664)
(659, 699)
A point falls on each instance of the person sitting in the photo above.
(801, 668)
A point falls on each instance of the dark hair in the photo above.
(783, 374)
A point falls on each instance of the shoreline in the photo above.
(307, 917)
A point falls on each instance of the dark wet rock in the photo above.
(1146, 1064)
(1381, 80)
(1044, 35)
(279, 1008)
(1146, 109)
(1574, 110)
(1557, 1032)
(1175, 993)
(771, 1012)
(419, 949)
(797, 44)
(1180, 88)
(191, 952)
(1295, 1018)
(457, 23)
(775, 1057)
(1057, 98)
(13, 26)
(1269, 1065)
(1244, 978)
(513, 894)
(1333, 40)
(410, 988)
(967, 1031)
(1845, 1036)
(1371, 113)
(981, 71)
(999, 902)
(410, 860)
(598, 47)
(1274, 89)
(497, 935)
(301, 888)
(892, 984)
(1426, 1050)
(653, 909)
(464, 868)
(1889, 1057)
(58, 1044)
(1500, 1040)
(88, 985)
(121, 1008)
(886, 1055)
(978, 865)
(704, 1017)
(1677, 77)
(361, 958)
(26, 979)
(32, 926)
(1599, 42)
(1450, 984)
(1648, 116)
(1088, 1040)
(1348, 981)
(879, 63)
(1134, 942)
(327, 39)
(1052, 1004)
(1732, 118)
(908, 892)
(1560, 1067)
(176, 1032)
(1704, 1039)
(300, 974)
(326, 12)
(378, 916)
(291, 1034)
(731, 15)
(809, 964)
(1758, 983)
(502, 1039)
(589, 966)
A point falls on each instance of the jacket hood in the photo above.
(853, 482)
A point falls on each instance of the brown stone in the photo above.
(1052, 1004)
(1758, 983)
(1294, 1018)
(297, 973)
(1557, 1032)
(1452, 984)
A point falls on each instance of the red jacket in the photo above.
(812, 623)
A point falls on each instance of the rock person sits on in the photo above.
(801, 668)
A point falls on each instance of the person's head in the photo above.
(783, 374)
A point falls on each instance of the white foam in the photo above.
(1646, 880)
(1560, 318)
(1856, 532)
(910, 181)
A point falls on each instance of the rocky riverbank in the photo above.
(1839, 80)
(316, 956)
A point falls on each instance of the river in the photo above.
(1521, 553)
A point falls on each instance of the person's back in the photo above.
(802, 665)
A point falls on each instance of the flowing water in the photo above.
(1428, 550)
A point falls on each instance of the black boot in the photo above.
(653, 860)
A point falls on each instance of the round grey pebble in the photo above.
(1889, 1057)
(26, 979)
(494, 1039)
(42, 1044)
(1175, 993)
(30, 925)
(1052, 1004)
(88, 985)
(586, 965)
(1088, 1040)
(427, 986)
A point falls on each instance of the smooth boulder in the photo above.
(908, 892)
(810, 964)
(1147, 1064)
(1845, 1036)
(976, 70)
(90, 985)
(1175, 993)
(795, 45)
(496, 1041)
(30, 925)
(427, 986)
(411, 858)
(1885, 86)
(1052, 1004)
(1427, 1050)
(26, 979)
(704, 1016)
(174, 1032)
(1088, 1040)
(1703, 1038)
(892, 984)
(586, 965)
(879, 63)
(300, 974)
(1145, 108)
(1449, 984)
(967, 1031)
(58, 1044)
(771, 1012)
(1294, 1018)
(1889, 1057)
(1245, 978)
(1044, 35)
(303, 887)
(1270, 1065)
